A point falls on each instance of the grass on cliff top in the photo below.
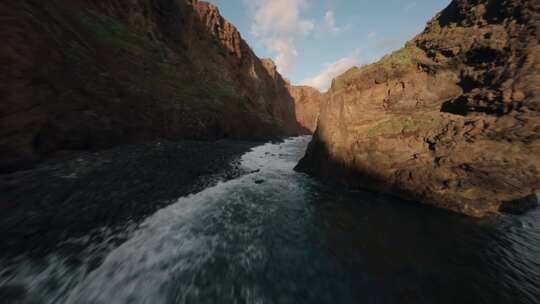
(346, 78)
(395, 61)
(403, 57)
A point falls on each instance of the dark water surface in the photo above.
(278, 236)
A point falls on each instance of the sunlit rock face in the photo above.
(86, 75)
(451, 120)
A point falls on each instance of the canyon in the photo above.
(147, 155)
(451, 120)
(89, 75)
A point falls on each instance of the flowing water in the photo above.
(279, 236)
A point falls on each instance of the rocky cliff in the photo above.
(307, 105)
(88, 74)
(451, 120)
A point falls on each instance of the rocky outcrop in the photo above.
(87, 75)
(307, 104)
(451, 120)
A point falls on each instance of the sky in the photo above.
(313, 41)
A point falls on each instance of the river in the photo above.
(274, 235)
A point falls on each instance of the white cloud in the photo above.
(279, 17)
(323, 80)
(372, 34)
(330, 24)
(286, 53)
(277, 23)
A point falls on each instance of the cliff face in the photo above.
(258, 79)
(451, 120)
(287, 103)
(87, 74)
(307, 105)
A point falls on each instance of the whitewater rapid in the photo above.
(181, 240)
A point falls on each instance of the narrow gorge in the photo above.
(148, 155)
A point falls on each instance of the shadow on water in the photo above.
(416, 254)
(278, 236)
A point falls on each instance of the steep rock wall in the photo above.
(88, 74)
(307, 105)
(451, 120)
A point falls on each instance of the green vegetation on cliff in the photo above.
(114, 33)
(346, 78)
(404, 125)
(392, 63)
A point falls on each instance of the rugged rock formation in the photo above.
(307, 105)
(451, 120)
(88, 74)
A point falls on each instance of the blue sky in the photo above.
(312, 41)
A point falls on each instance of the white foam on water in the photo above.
(178, 240)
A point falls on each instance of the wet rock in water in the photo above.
(259, 181)
(520, 206)
(451, 120)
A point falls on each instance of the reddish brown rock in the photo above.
(451, 120)
(286, 104)
(87, 74)
(307, 101)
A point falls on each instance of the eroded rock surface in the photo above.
(451, 120)
(87, 75)
(307, 105)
